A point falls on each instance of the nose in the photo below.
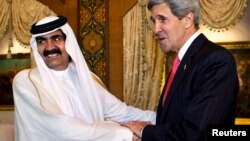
(50, 44)
(157, 27)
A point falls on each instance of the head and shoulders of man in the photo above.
(48, 40)
(174, 22)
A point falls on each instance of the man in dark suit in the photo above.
(205, 87)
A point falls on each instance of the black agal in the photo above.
(36, 29)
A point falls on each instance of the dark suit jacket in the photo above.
(202, 93)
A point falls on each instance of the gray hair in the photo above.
(180, 8)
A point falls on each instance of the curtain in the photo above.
(143, 60)
(4, 16)
(219, 15)
(22, 14)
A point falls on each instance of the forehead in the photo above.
(57, 32)
(160, 9)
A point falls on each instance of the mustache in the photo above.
(55, 50)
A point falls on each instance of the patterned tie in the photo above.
(175, 65)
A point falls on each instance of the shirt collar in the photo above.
(185, 47)
(63, 75)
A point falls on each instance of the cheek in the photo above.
(179, 33)
(169, 30)
(62, 47)
(165, 27)
(65, 54)
(40, 51)
(175, 31)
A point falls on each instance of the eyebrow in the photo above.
(157, 17)
(53, 36)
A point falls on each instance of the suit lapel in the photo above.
(182, 69)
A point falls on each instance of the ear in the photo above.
(188, 20)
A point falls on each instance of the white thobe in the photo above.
(70, 106)
(71, 121)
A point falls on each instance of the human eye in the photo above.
(57, 38)
(162, 19)
(40, 41)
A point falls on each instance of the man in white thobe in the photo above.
(60, 99)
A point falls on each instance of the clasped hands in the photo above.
(136, 127)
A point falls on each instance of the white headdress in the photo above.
(92, 104)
